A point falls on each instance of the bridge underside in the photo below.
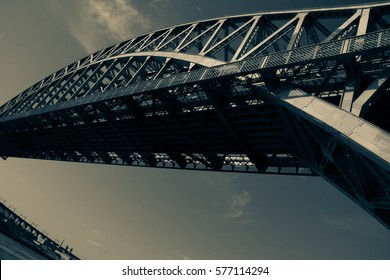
(202, 134)
(321, 109)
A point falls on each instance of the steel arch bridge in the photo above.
(302, 92)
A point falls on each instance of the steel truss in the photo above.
(27, 234)
(300, 92)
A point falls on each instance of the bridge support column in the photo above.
(352, 149)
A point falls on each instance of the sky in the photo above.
(116, 212)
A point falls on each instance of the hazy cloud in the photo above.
(181, 256)
(97, 232)
(237, 206)
(166, 10)
(356, 224)
(98, 23)
(95, 244)
(236, 200)
(22, 182)
(163, 5)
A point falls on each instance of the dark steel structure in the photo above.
(301, 92)
(27, 234)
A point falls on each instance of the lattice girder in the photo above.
(298, 92)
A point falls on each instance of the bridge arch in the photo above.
(276, 93)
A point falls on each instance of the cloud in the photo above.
(99, 23)
(166, 8)
(181, 256)
(236, 200)
(238, 204)
(21, 181)
(163, 5)
(95, 244)
(97, 232)
(356, 224)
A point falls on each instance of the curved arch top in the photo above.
(225, 39)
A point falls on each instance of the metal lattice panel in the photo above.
(300, 92)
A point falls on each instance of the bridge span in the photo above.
(303, 92)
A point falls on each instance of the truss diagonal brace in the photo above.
(271, 37)
(343, 27)
(372, 93)
(296, 36)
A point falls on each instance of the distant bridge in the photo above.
(302, 92)
(27, 234)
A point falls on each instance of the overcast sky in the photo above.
(111, 212)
